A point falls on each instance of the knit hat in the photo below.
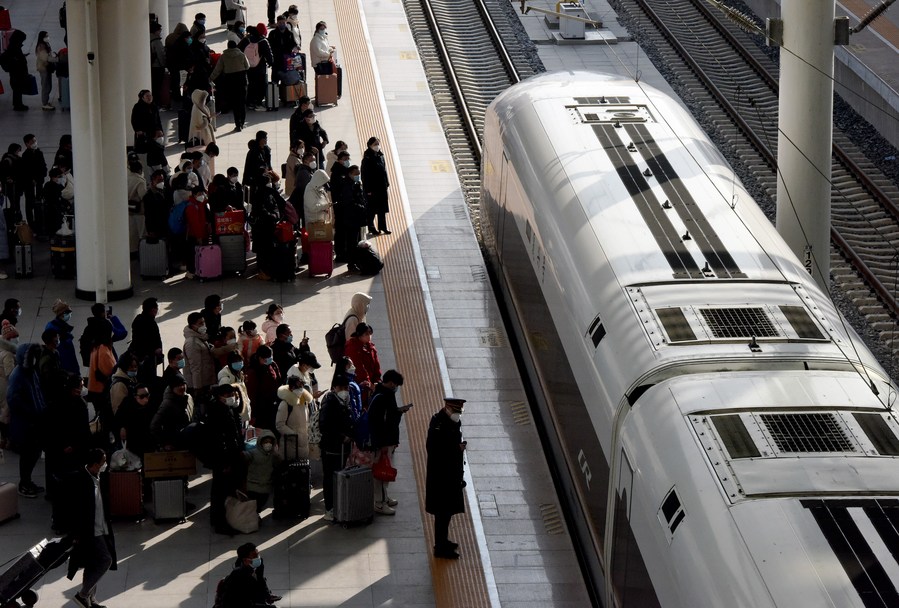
(263, 31)
(60, 307)
(8, 330)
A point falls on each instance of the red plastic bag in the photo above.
(383, 470)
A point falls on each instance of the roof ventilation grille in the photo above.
(739, 322)
(802, 433)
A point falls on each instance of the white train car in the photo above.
(723, 438)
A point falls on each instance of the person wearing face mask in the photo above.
(224, 432)
(231, 75)
(102, 367)
(224, 345)
(137, 189)
(237, 30)
(340, 181)
(335, 423)
(261, 464)
(263, 381)
(67, 438)
(50, 372)
(274, 316)
(87, 521)
(27, 409)
(360, 348)
(246, 586)
(174, 414)
(317, 200)
(284, 351)
(293, 24)
(249, 340)
(35, 165)
(12, 310)
(202, 121)
(133, 420)
(145, 121)
(9, 341)
(293, 419)
(15, 180)
(444, 494)
(232, 192)
(146, 341)
(200, 370)
(54, 204)
(157, 206)
(310, 132)
(350, 216)
(307, 166)
(61, 323)
(212, 313)
(124, 381)
(376, 183)
(175, 364)
(292, 165)
(232, 373)
(331, 156)
(198, 27)
(282, 42)
(199, 226)
(384, 417)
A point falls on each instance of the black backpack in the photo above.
(7, 63)
(335, 339)
(367, 260)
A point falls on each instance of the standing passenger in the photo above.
(376, 183)
(445, 474)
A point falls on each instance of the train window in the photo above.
(879, 432)
(597, 331)
(672, 512)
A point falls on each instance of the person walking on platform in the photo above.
(445, 474)
(375, 182)
(259, 55)
(231, 71)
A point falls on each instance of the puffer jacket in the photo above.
(199, 367)
(316, 201)
(261, 465)
(293, 419)
(356, 314)
(228, 376)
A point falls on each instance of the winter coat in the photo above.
(18, 72)
(7, 364)
(196, 214)
(232, 61)
(25, 399)
(43, 57)
(228, 376)
(313, 136)
(202, 121)
(335, 422)
(316, 201)
(282, 43)
(262, 385)
(269, 327)
(374, 181)
(225, 432)
(102, 366)
(257, 162)
(174, 413)
(365, 358)
(145, 337)
(293, 163)
(303, 176)
(445, 483)
(199, 369)
(384, 418)
(248, 346)
(121, 388)
(67, 427)
(157, 52)
(293, 419)
(34, 163)
(261, 465)
(359, 304)
(136, 420)
(67, 357)
(145, 118)
(50, 373)
(156, 212)
(79, 518)
(285, 356)
(319, 49)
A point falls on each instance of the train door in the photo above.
(630, 584)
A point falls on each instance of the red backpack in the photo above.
(284, 232)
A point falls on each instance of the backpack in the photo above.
(177, 223)
(367, 259)
(221, 592)
(335, 340)
(252, 53)
(6, 61)
(361, 428)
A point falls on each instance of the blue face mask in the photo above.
(181, 363)
(190, 40)
(269, 361)
(132, 374)
(290, 339)
(357, 178)
(237, 366)
(257, 561)
(67, 317)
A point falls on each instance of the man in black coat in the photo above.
(13, 60)
(376, 183)
(311, 133)
(157, 206)
(145, 121)
(335, 422)
(246, 586)
(384, 418)
(87, 521)
(258, 161)
(225, 436)
(146, 342)
(36, 168)
(443, 488)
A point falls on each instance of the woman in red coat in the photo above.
(199, 227)
(361, 350)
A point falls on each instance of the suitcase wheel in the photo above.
(29, 597)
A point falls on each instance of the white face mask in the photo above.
(343, 395)
(232, 401)
(351, 370)
(233, 179)
(160, 141)
(376, 148)
(160, 186)
(455, 416)
(33, 145)
(297, 391)
(201, 198)
(103, 468)
(201, 329)
(232, 341)
(267, 447)
(313, 165)
(84, 391)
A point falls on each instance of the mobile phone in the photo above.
(409, 405)
(304, 334)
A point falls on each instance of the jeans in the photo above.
(46, 86)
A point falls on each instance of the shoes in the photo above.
(385, 231)
(82, 601)
(261, 109)
(96, 605)
(272, 598)
(3, 275)
(238, 127)
(263, 276)
(189, 275)
(48, 106)
(445, 553)
(372, 231)
(384, 509)
(392, 502)
(27, 492)
(20, 108)
(329, 515)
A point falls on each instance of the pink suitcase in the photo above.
(321, 258)
(9, 501)
(208, 262)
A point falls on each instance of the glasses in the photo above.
(142, 395)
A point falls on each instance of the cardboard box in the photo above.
(169, 464)
(230, 222)
(320, 231)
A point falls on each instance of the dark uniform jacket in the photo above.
(445, 483)
(374, 180)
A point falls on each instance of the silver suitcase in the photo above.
(353, 496)
(169, 499)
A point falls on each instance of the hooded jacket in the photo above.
(202, 122)
(293, 419)
(67, 358)
(199, 367)
(24, 396)
(232, 61)
(359, 307)
(261, 465)
(316, 202)
(236, 379)
(18, 64)
(174, 413)
(319, 49)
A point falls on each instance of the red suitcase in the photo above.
(5, 21)
(126, 497)
(321, 258)
(208, 262)
(9, 501)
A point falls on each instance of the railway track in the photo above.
(467, 65)
(735, 82)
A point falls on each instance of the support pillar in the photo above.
(98, 56)
(160, 8)
(137, 57)
(805, 133)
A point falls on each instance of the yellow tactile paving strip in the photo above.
(456, 583)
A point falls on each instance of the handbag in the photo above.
(24, 233)
(240, 513)
(383, 470)
(31, 86)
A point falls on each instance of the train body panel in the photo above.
(691, 388)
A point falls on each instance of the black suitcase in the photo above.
(292, 490)
(234, 253)
(284, 261)
(16, 582)
(62, 256)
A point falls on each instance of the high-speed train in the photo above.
(722, 437)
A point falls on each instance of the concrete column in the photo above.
(160, 8)
(806, 132)
(99, 55)
(137, 61)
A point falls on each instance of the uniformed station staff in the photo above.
(444, 497)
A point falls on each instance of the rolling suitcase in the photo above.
(24, 268)
(353, 496)
(291, 93)
(321, 258)
(169, 499)
(16, 582)
(284, 261)
(208, 262)
(325, 89)
(9, 501)
(154, 258)
(62, 256)
(126, 496)
(271, 97)
(291, 496)
(234, 253)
